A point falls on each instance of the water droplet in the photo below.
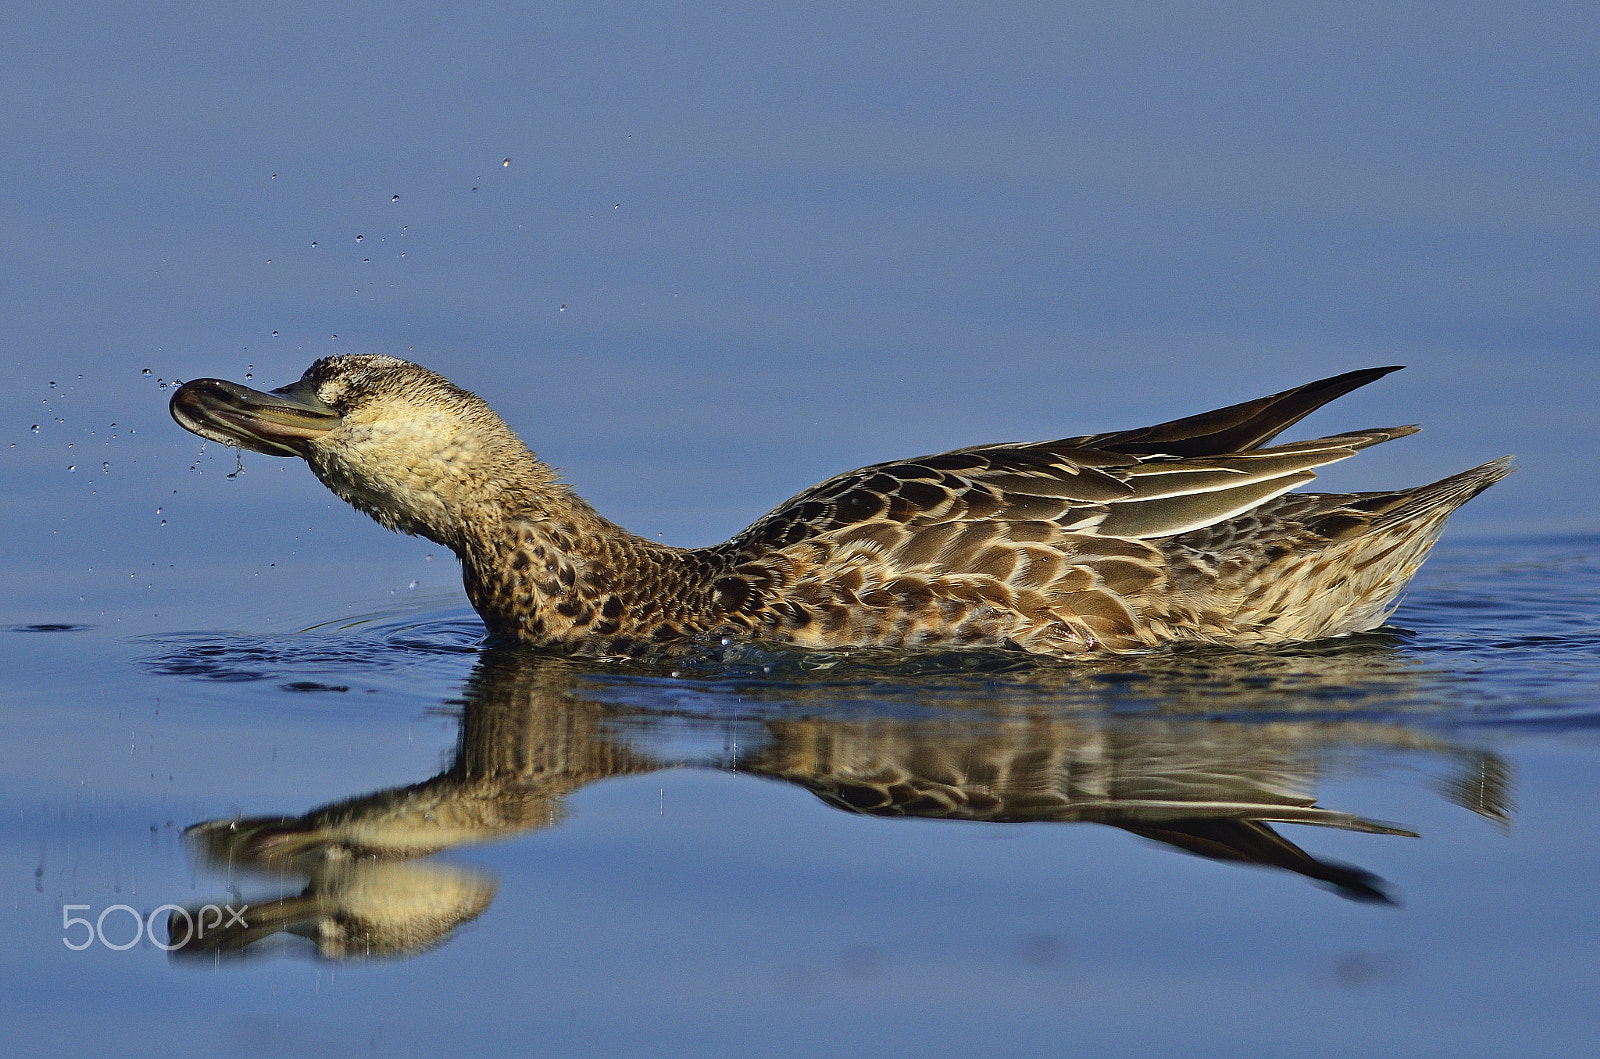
(402, 253)
(163, 522)
(158, 511)
(106, 466)
(336, 338)
(249, 375)
(506, 163)
(147, 371)
(617, 206)
(366, 261)
(359, 238)
(274, 176)
(395, 199)
(72, 468)
(274, 334)
(412, 585)
(52, 384)
(36, 428)
(563, 308)
(313, 244)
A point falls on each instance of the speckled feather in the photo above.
(1181, 532)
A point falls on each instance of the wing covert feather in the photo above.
(1147, 483)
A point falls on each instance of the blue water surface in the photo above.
(701, 258)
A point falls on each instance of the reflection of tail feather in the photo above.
(1311, 815)
(1253, 842)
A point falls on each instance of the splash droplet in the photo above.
(106, 466)
(395, 199)
(359, 238)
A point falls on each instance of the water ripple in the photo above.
(1486, 640)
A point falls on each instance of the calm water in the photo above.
(701, 258)
(776, 850)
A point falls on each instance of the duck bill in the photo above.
(281, 423)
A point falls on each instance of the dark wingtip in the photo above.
(1240, 427)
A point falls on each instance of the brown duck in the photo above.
(1185, 532)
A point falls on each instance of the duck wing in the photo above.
(1239, 427)
(1154, 482)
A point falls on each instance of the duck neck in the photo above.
(547, 568)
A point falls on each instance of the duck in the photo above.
(1186, 532)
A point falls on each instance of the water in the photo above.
(738, 253)
(764, 848)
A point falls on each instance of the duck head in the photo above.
(393, 439)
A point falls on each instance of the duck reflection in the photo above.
(535, 728)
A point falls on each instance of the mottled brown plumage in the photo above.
(1181, 532)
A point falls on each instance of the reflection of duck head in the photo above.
(533, 731)
(350, 909)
